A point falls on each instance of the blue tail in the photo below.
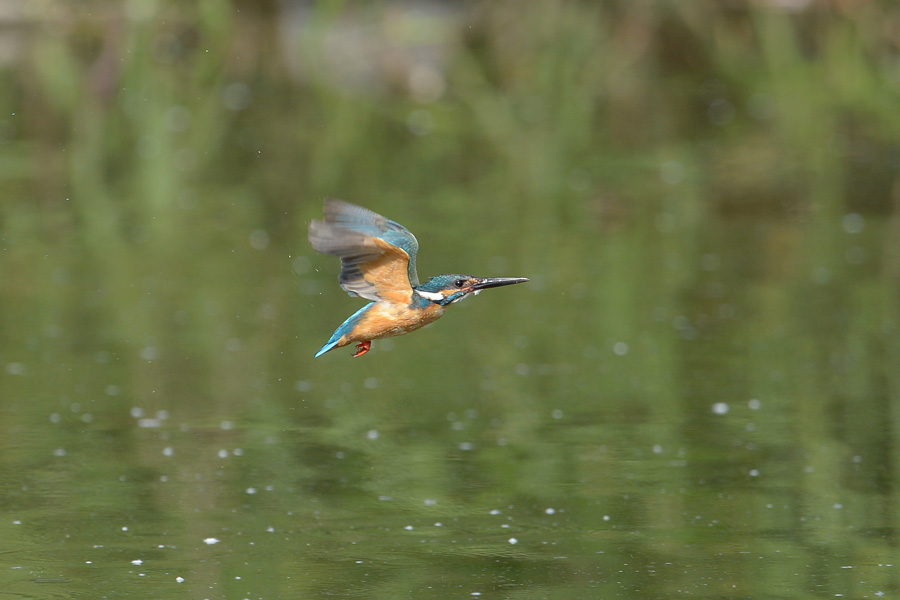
(345, 329)
(331, 343)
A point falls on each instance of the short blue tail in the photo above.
(346, 328)
(331, 344)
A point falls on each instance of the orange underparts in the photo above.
(362, 348)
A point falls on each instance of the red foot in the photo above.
(362, 348)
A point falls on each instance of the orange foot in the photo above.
(362, 348)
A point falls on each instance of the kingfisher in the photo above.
(378, 263)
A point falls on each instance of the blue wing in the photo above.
(378, 256)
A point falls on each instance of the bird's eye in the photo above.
(459, 283)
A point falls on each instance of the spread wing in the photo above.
(378, 256)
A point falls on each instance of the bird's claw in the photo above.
(362, 348)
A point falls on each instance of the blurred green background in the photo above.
(695, 395)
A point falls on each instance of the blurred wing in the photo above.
(378, 256)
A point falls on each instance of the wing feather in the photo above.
(377, 255)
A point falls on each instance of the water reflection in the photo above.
(694, 395)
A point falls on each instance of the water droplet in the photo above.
(853, 222)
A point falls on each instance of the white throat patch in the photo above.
(433, 296)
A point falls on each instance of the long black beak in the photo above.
(489, 282)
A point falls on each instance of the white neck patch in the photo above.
(433, 296)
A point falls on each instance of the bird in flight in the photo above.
(378, 263)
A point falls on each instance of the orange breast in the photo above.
(387, 320)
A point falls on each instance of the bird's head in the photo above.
(447, 289)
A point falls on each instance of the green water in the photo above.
(696, 395)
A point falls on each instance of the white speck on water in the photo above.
(259, 239)
(550, 511)
(59, 452)
(226, 425)
(606, 517)
(838, 505)
(372, 434)
(210, 541)
(179, 579)
(620, 348)
(476, 593)
(251, 490)
(657, 449)
(720, 408)
(466, 446)
(15, 368)
(137, 412)
(430, 501)
(223, 453)
(409, 528)
(496, 511)
(112, 390)
(55, 418)
(17, 522)
(370, 383)
(513, 541)
(237, 96)
(137, 561)
(148, 353)
(125, 528)
(557, 414)
(238, 451)
(168, 451)
(857, 459)
(821, 275)
(438, 524)
(671, 172)
(754, 472)
(754, 404)
(853, 222)
(270, 529)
